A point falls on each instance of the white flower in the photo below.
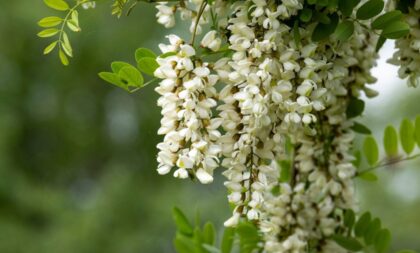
(211, 42)
(204, 176)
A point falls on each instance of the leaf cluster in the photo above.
(203, 239)
(128, 77)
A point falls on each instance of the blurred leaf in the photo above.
(385, 19)
(59, 5)
(116, 66)
(407, 136)
(285, 171)
(371, 151)
(368, 176)
(372, 230)
(249, 237)
(227, 240)
(48, 32)
(355, 108)
(417, 130)
(50, 22)
(209, 233)
(66, 45)
(131, 76)
(362, 224)
(305, 15)
(348, 243)
(382, 240)
(323, 31)
(148, 65)
(346, 6)
(391, 141)
(396, 30)
(184, 244)
(344, 30)
(211, 248)
(50, 47)
(114, 79)
(360, 128)
(144, 52)
(63, 58)
(370, 9)
(182, 222)
(349, 219)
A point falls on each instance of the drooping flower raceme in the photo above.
(278, 124)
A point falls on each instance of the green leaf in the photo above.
(131, 76)
(372, 230)
(113, 78)
(391, 141)
(370, 9)
(380, 43)
(50, 21)
(50, 47)
(396, 30)
(144, 52)
(59, 5)
(385, 19)
(382, 240)
(66, 45)
(285, 171)
(344, 30)
(360, 128)
(362, 224)
(184, 244)
(63, 58)
(116, 66)
(349, 218)
(73, 26)
(348, 243)
(371, 151)
(346, 6)
(323, 31)
(148, 65)
(355, 108)
(209, 233)
(167, 54)
(358, 159)
(211, 248)
(407, 136)
(305, 15)
(417, 130)
(249, 237)
(227, 240)
(48, 32)
(368, 176)
(182, 222)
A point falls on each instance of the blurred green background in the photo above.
(77, 156)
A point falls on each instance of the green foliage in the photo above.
(56, 26)
(391, 141)
(407, 136)
(367, 235)
(249, 237)
(371, 150)
(355, 108)
(417, 130)
(128, 77)
(348, 243)
(370, 9)
(199, 239)
(344, 30)
(360, 128)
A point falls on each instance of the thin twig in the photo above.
(199, 14)
(392, 162)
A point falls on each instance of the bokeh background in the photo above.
(77, 156)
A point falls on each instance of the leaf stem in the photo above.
(392, 162)
(199, 14)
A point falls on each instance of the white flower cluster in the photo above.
(407, 56)
(188, 95)
(276, 93)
